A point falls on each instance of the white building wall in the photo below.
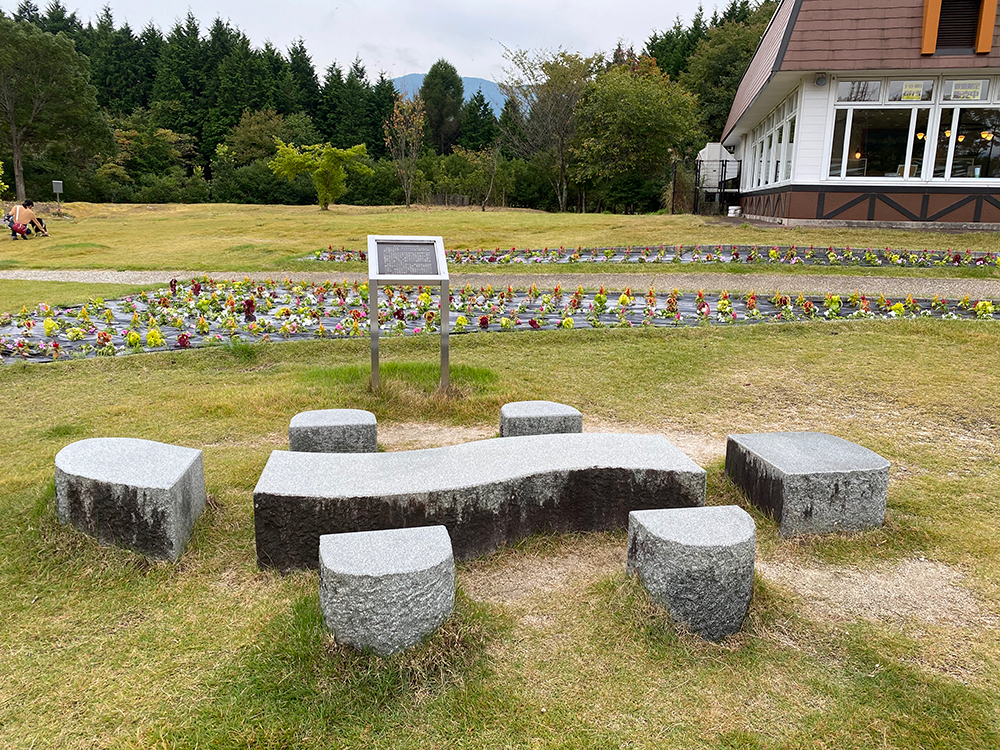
(810, 166)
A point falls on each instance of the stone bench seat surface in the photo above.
(811, 452)
(387, 590)
(539, 418)
(129, 492)
(810, 482)
(486, 493)
(333, 431)
(131, 461)
(697, 563)
(333, 418)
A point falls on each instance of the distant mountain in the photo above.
(410, 84)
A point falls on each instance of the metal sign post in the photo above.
(408, 261)
(57, 189)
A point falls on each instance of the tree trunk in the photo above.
(18, 168)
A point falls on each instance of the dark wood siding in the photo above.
(848, 203)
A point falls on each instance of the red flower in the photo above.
(484, 321)
(534, 324)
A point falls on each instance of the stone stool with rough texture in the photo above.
(538, 418)
(386, 591)
(131, 493)
(333, 431)
(810, 482)
(697, 563)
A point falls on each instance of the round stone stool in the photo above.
(697, 563)
(333, 431)
(386, 591)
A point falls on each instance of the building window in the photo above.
(772, 146)
(876, 143)
(958, 27)
(936, 129)
(966, 145)
(975, 90)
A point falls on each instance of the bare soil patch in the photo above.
(408, 436)
(515, 577)
(920, 590)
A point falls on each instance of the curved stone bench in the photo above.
(810, 482)
(697, 563)
(132, 493)
(538, 418)
(487, 493)
(385, 591)
(333, 431)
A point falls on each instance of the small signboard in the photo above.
(409, 261)
(57, 186)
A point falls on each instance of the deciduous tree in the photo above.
(404, 135)
(633, 120)
(327, 165)
(45, 94)
(718, 63)
(544, 89)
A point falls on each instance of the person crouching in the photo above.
(24, 223)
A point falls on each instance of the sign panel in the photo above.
(407, 259)
(57, 186)
(966, 91)
(913, 91)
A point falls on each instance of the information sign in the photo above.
(408, 261)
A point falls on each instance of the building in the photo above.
(872, 110)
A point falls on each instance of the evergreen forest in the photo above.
(197, 114)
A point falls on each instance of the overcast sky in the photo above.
(408, 37)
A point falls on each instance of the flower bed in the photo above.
(208, 312)
(710, 254)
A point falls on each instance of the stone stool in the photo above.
(538, 418)
(697, 563)
(810, 482)
(333, 431)
(131, 493)
(386, 590)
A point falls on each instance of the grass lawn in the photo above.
(551, 646)
(215, 237)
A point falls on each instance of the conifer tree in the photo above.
(304, 74)
(442, 94)
(479, 124)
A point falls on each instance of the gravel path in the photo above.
(686, 282)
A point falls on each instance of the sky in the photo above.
(408, 37)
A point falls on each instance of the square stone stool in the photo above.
(538, 418)
(810, 482)
(386, 591)
(333, 431)
(697, 563)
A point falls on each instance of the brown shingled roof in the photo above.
(765, 62)
(843, 35)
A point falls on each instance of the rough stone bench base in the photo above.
(385, 591)
(538, 418)
(697, 563)
(810, 482)
(487, 493)
(333, 431)
(131, 493)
